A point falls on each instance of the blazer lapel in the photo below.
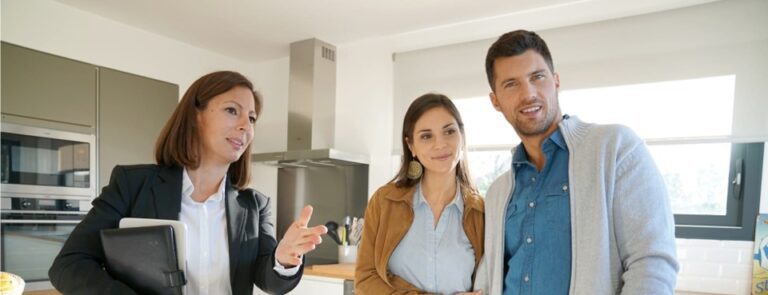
(167, 193)
(235, 227)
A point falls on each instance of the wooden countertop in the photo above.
(341, 271)
(43, 292)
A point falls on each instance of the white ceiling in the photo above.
(256, 30)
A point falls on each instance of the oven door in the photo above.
(31, 240)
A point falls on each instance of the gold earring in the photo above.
(414, 170)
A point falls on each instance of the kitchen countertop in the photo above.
(341, 271)
(43, 292)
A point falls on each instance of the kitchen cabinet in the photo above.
(125, 111)
(47, 87)
(319, 285)
(132, 111)
(327, 279)
(324, 279)
(311, 285)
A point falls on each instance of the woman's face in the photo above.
(226, 126)
(437, 141)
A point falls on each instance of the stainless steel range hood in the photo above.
(311, 111)
(307, 158)
(312, 171)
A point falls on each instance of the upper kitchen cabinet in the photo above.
(132, 111)
(47, 87)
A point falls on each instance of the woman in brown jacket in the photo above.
(424, 230)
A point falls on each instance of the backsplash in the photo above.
(714, 267)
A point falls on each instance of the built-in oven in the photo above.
(34, 228)
(47, 181)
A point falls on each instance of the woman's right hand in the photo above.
(299, 239)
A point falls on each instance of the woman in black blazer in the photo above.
(203, 158)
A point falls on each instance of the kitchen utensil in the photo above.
(332, 231)
(347, 224)
(357, 231)
(343, 236)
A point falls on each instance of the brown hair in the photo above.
(418, 107)
(179, 142)
(513, 44)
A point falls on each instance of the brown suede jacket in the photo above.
(387, 219)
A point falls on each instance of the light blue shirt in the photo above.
(435, 259)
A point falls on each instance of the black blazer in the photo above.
(152, 191)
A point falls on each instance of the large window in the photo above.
(713, 179)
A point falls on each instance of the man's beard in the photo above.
(538, 127)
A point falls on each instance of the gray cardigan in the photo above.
(623, 232)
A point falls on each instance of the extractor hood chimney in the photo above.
(311, 110)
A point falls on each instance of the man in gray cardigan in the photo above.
(583, 209)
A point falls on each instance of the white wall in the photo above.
(727, 37)
(270, 78)
(364, 105)
(58, 29)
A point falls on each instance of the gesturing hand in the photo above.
(299, 239)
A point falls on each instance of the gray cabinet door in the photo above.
(43, 86)
(132, 111)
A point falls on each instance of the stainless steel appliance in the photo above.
(33, 230)
(312, 170)
(46, 161)
(47, 181)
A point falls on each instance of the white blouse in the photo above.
(207, 258)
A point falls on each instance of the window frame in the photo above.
(743, 206)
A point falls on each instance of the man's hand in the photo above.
(299, 240)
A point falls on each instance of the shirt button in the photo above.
(565, 188)
(526, 279)
(529, 240)
(533, 179)
(532, 204)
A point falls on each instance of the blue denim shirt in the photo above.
(437, 259)
(537, 235)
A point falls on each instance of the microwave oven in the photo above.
(47, 162)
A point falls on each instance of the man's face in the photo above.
(526, 93)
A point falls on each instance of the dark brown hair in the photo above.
(513, 44)
(418, 107)
(179, 142)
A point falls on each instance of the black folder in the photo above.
(144, 258)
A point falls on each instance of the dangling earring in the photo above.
(414, 170)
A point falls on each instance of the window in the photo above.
(713, 179)
(489, 139)
(486, 166)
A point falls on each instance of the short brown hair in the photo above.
(513, 44)
(418, 107)
(179, 142)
